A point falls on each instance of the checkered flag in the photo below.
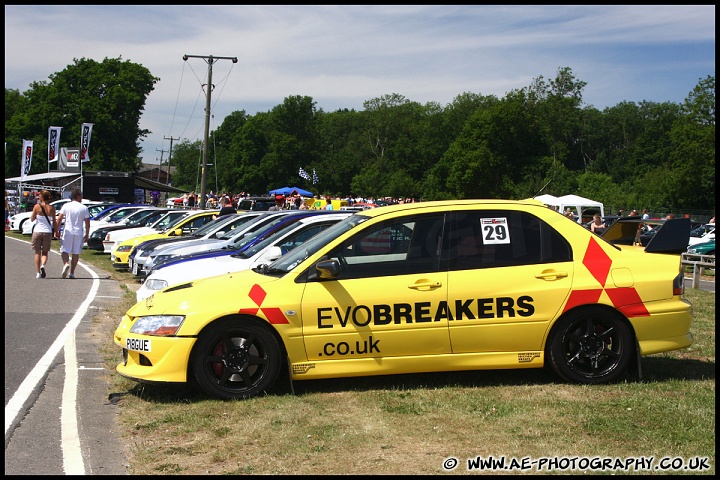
(315, 177)
(304, 174)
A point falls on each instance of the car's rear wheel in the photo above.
(591, 345)
(235, 360)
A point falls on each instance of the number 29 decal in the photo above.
(495, 231)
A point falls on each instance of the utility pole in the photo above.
(160, 169)
(167, 179)
(210, 60)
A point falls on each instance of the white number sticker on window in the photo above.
(495, 230)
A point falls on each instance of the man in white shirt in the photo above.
(76, 216)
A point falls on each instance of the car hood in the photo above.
(191, 297)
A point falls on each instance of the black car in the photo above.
(256, 203)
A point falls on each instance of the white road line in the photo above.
(72, 453)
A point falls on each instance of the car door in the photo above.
(509, 275)
(388, 299)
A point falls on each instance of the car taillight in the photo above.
(679, 284)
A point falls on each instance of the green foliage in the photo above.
(110, 94)
(537, 139)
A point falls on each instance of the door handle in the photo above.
(425, 285)
(551, 275)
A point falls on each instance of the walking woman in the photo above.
(43, 214)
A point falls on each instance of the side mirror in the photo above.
(328, 269)
(219, 234)
(272, 254)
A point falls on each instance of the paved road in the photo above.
(58, 416)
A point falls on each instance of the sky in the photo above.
(342, 56)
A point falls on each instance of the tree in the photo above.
(110, 94)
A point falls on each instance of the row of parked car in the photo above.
(166, 246)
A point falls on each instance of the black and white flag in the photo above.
(304, 174)
(53, 144)
(26, 158)
(85, 142)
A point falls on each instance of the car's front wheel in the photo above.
(236, 360)
(591, 345)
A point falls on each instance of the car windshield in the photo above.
(120, 213)
(251, 225)
(105, 214)
(249, 238)
(243, 220)
(259, 246)
(294, 257)
(143, 217)
(210, 227)
(168, 220)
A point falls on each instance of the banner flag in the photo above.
(53, 144)
(315, 177)
(85, 142)
(304, 174)
(26, 159)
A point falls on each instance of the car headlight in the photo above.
(158, 325)
(155, 284)
(124, 248)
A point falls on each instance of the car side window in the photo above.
(498, 238)
(397, 247)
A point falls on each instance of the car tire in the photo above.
(591, 346)
(235, 360)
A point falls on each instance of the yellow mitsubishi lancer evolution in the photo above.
(421, 287)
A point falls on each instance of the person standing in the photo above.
(329, 205)
(645, 214)
(279, 204)
(43, 214)
(597, 226)
(77, 217)
(227, 208)
(7, 208)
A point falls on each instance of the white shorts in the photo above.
(70, 243)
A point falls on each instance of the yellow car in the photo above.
(421, 287)
(183, 225)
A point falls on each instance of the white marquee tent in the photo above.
(575, 203)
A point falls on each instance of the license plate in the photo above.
(138, 344)
(130, 262)
(135, 269)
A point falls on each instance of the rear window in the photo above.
(255, 205)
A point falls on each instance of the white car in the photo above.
(264, 252)
(215, 229)
(117, 236)
(20, 222)
(705, 237)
